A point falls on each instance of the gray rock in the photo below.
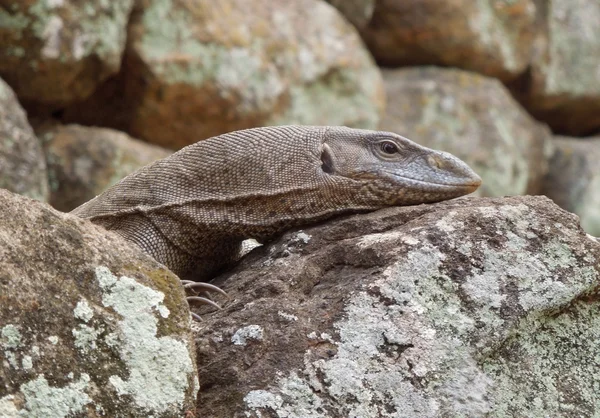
(472, 307)
(22, 163)
(57, 52)
(473, 117)
(563, 84)
(573, 181)
(85, 161)
(89, 325)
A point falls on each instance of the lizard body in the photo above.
(192, 210)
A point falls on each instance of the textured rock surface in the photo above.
(474, 118)
(564, 81)
(84, 161)
(573, 180)
(463, 308)
(56, 52)
(88, 325)
(358, 12)
(199, 69)
(22, 164)
(494, 38)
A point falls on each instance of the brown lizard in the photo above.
(192, 210)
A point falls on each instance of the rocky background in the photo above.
(512, 87)
(477, 307)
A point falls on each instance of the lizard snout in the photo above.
(453, 171)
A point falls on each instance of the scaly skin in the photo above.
(192, 210)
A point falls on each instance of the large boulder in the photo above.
(494, 38)
(194, 70)
(89, 325)
(22, 163)
(562, 87)
(85, 161)
(473, 117)
(56, 52)
(472, 307)
(573, 179)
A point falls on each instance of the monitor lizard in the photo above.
(192, 210)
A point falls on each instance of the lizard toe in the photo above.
(203, 301)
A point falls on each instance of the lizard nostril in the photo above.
(435, 161)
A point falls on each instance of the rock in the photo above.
(198, 69)
(563, 84)
(22, 164)
(573, 181)
(89, 325)
(494, 38)
(56, 52)
(471, 307)
(85, 161)
(473, 117)
(358, 12)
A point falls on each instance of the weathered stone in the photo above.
(22, 164)
(491, 37)
(573, 180)
(198, 69)
(85, 161)
(472, 307)
(358, 12)
(89, 325)
(56, 52)
(473, 117)
(563, 85)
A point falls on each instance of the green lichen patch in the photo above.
(10, 337)
(159, 368)
(45, 400)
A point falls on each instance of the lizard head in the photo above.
(394, 170)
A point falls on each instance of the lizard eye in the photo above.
(388, 147)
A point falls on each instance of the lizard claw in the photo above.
(206, 287)
(203, 301)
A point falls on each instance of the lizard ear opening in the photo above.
(327, 159)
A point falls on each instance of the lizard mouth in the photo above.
(471, 185)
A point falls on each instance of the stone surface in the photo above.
(358, 12)
(22, 164)
(198, 69)
(472, 307)
(89, 326)
(474, 118)
(85, 161)
(563, 84)
(56, 52)
(494, 38)
(573, 180)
